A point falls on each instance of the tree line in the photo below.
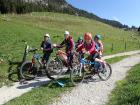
(61, 6)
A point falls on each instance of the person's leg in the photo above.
(69, 61)
(43, 59)
(102, 62)
(47, 56)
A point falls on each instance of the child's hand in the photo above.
(54, 45)
(83, 50)
(87, 52)
(41, 48)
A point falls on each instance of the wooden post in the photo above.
(112, 47)
(139, 44)
(125, 45)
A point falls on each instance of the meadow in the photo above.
(16, 29)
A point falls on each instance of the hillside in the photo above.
(15, 29)
(61, 6)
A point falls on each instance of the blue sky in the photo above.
(125, 11)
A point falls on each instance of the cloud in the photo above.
(115, 18)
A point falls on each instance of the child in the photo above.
(46, 46)
(88, 47)
(99, 45)
(79, 42)
(69, 44)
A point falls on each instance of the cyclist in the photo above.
(99, 45)
(69, 44)
(89, 48)
(79, 42)
(46, 46)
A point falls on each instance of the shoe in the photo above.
(39, 73)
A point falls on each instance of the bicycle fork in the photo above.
(81, 66)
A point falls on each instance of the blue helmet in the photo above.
(97, 36)
(80, 38)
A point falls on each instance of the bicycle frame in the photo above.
(37, 57)
(84, 61)
(60, 54)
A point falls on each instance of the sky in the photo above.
(125, 11)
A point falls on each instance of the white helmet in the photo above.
(47, 35)
(66, 33)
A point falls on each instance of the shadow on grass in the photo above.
(13, 71)
(47, 83)
(66, 81)
(33, 84)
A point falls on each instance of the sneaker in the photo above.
(39, 73)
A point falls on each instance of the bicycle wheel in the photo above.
(105, 73)
(28, 70)
(54, 68)
(77, 75)
(77, 72)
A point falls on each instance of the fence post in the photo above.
(139, 44)
(112, 47)
(125, 45)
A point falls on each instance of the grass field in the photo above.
(14, 29)
(116, 59)
(46, 94)
(127, 91)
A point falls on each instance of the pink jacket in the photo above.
(88, 47)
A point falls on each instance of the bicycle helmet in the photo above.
(80, 38)
(47, 35)
(66, 33)
(87, 36)
(97, 36)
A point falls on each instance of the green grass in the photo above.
(116, 59)
(14, 29)
(46, 94)
(127, 91)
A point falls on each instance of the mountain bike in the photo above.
(31, 69)
(62, 58)
(89, 69)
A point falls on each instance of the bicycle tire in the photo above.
(52, 68)
(77, 72)
(29, 69)
(77, 79)
(102, 72)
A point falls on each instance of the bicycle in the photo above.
(89, 69)
(30, 69)
(62, 57)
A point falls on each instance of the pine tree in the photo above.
(139, 29)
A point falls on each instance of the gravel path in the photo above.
(96, 93)
(81, 95)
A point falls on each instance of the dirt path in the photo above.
(8, 93)
(96, 93)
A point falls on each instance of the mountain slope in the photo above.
(61, 6)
